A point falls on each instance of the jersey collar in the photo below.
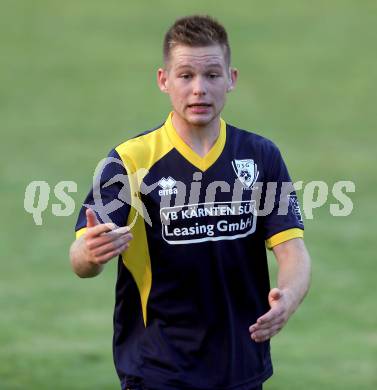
(202, 163)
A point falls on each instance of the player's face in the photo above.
(197, 80)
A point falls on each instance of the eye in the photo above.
(185, 76)
(213, 75)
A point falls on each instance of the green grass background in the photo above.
(77, 77)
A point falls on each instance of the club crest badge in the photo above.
(246, 171)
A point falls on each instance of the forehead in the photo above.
(181, 56)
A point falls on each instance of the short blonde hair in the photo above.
(196, 31)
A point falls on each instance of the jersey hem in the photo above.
(255, 381)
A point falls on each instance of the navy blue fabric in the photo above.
(102, 195)
(136, 383)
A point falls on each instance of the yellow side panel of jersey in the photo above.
(138, 156)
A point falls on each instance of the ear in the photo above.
(162, 82)
(233, 75)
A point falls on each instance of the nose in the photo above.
(199, 87)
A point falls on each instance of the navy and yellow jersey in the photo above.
(195, 276)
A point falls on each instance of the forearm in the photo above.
(80, 262)
(294, 270)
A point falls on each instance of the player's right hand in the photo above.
(102, 241)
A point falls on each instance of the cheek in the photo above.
(177, 96)
(181, 91)
(221, 93)
(219, 87)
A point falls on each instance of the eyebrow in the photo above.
(188, 66)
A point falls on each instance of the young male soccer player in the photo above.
(194, 309)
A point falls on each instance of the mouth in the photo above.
(199, 105)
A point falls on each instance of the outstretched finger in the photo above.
(110, 247)
(91, 218)
(100, 229)
(118, 233)
(273, 316)
(276, 323)
(265, 334)
(122, 230)
(110, 255)
(270, 316)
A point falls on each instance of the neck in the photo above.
(199, 138)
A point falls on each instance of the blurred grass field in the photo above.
(78, 77)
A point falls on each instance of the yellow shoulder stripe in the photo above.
(284, 236)
(145, 150)
(80, 232)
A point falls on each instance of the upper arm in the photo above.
(283, 221)
(109, 197)
(294, 250)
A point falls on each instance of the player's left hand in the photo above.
(273, 321)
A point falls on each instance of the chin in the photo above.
(200, 120)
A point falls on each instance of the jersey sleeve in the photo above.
(284, 222)
(109, 196)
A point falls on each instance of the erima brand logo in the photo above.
(167, 186)
(246, 171)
